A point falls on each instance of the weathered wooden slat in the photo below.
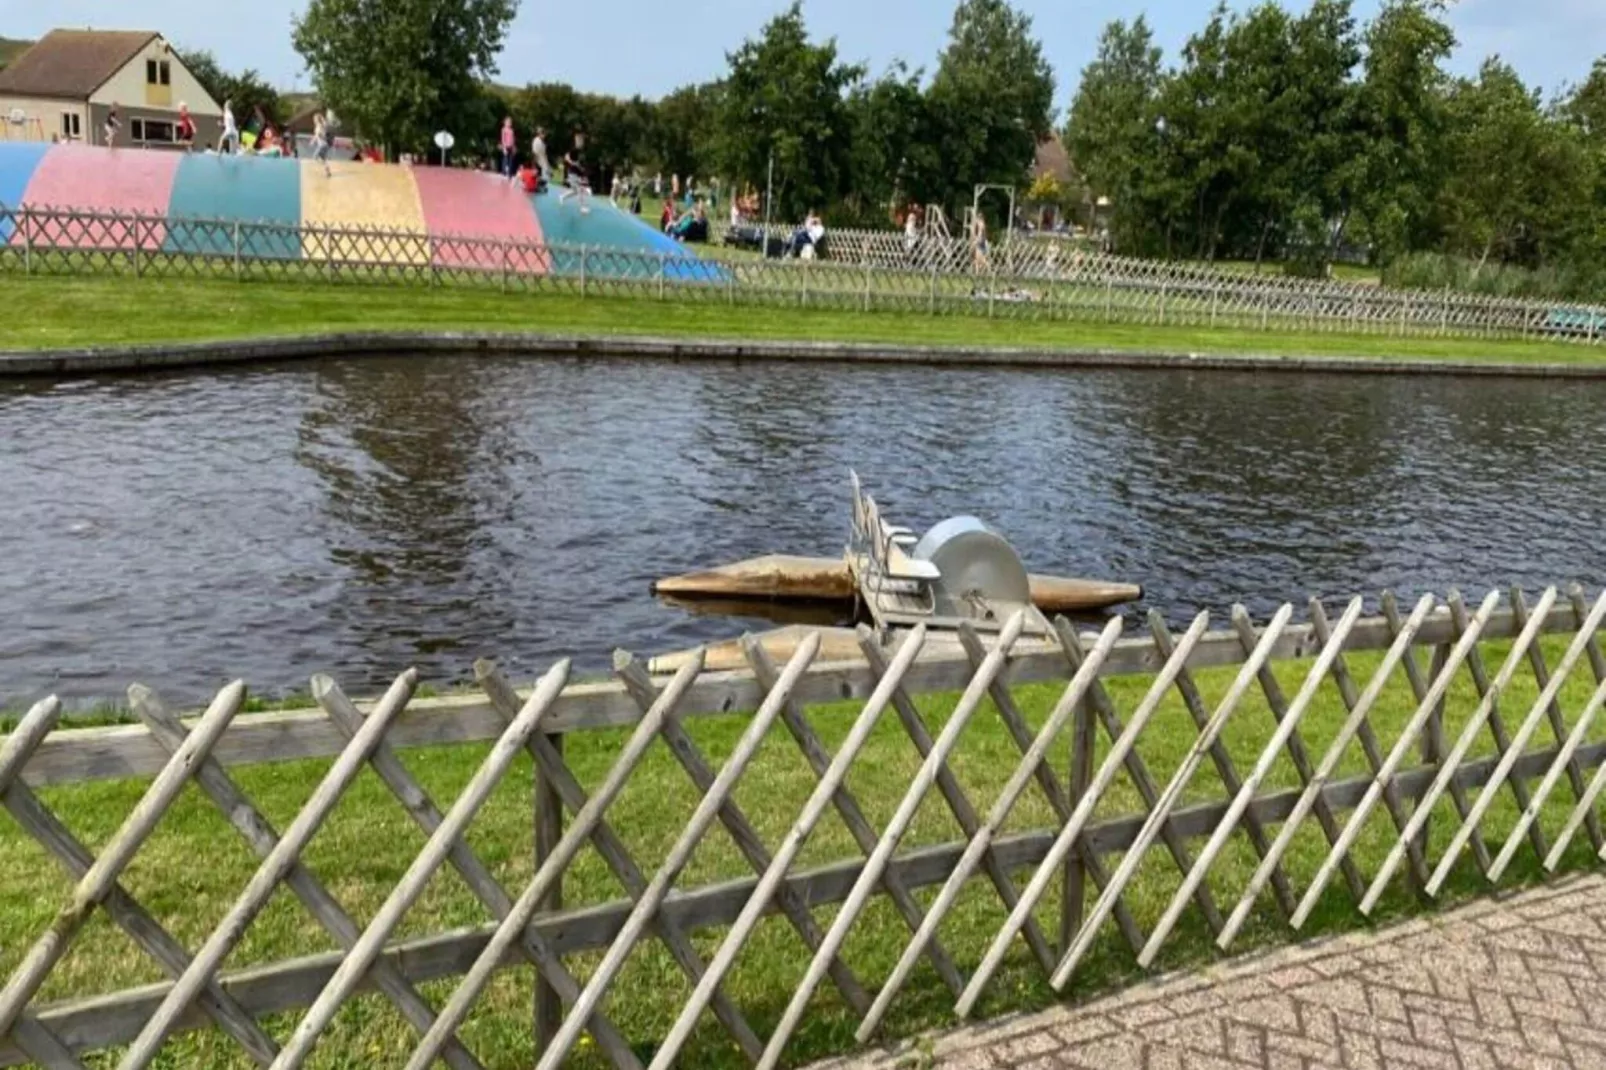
(1558, 722)
(1297, 753)
(105, 1021)
(1015, 725)
(126, 751)
(876, 865)
(981, 841)
(1566, 759)
(1143, 781)
(508, 930)
(1359, 711)
(607, 843)
(1350, 695)
(1269, 755)
(102, 877)
(1433, 742)
(1121, 745)
(553, 975)
(1497, 729)
(741, 830)
(1161, 811)
(715, 799)
(269, 875)
(1226, 769)
(445, 840)
(813, 810)
(1396, 759)
(1458, 752)
(1525, 731)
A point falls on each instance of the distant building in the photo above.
(64, 86)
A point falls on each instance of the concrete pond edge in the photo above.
(102, 360)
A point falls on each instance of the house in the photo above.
(63, 87)
(1052, 169)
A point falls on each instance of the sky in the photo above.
(650, 47)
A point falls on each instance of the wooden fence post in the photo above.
(585, 255)
(1444, 314)
(1164, 290)
(1215, 299)
(992, 289)
(934, 288)
(26, 218)
(236, 238)
(1432, 743)
(663, 272)
(1083, 743)
(507, 257)
(548, 832)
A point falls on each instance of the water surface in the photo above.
(361, 516)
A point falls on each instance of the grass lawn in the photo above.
(369, 841)
(60, 312)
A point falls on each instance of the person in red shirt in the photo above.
(186, 127)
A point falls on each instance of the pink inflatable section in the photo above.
(102, 181)
(476, 204)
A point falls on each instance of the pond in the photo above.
(360, 516)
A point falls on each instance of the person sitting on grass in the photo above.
(691, 227)
(667, 217)
(807, 237)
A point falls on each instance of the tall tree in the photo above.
(1401, 117)
(1518, 181)
(1111, 131)
(784, 98)
(401, 70)
(994, 93)
(246, 91)
(896, 159)
(680, 137)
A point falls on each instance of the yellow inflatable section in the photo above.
(353, 197)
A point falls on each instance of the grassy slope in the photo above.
(109, 311)
(368, 843)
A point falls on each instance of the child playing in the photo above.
(574, 172)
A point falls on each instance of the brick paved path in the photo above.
(1513, 982)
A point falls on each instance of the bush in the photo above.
(1437, 271)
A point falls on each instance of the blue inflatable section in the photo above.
(18, 160)
(607, 229)
(243, 189)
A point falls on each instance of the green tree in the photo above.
(246, 91)
(784, 98)
(1400, 117)
(401, 70)
(994, 95)
(1110, 133)
(1518, 180)
(681, 134)
(896, 159)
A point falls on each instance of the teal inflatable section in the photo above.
(607, 230)
(237, 189)
(18, 161)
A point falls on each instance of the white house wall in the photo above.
(42, 118)
(128, 88)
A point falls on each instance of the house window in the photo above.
(71, 126)
(158, 72)
(153, 131)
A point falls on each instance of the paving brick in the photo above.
(1517, 982)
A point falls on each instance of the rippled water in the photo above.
(361, 516)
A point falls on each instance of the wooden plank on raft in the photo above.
(126, 751)
(108, 1020)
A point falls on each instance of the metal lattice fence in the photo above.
(860, 271)
(1464, 744)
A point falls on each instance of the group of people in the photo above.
(536, 173)
(259, 137)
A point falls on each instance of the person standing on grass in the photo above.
(114, 123)
(509, 142)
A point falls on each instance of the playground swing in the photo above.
(20, 126)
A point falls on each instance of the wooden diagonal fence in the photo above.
(865, 271)
(1276, 770)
